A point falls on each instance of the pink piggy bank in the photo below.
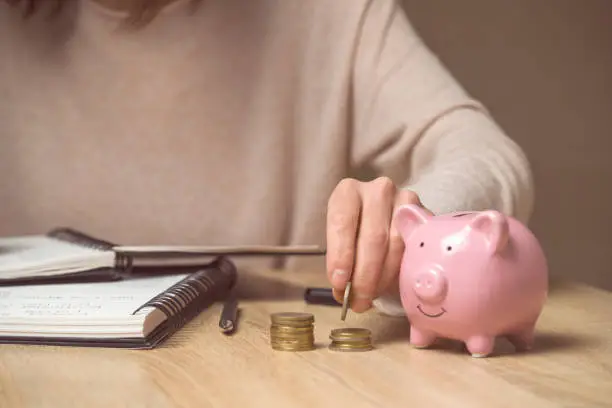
(470, 276)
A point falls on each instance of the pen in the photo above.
(229, 316)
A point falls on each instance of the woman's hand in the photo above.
(363, 245)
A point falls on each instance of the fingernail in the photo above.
(339, 277)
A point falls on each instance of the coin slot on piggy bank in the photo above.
(472, 277)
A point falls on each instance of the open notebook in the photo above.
(137, 312)
(64, 254)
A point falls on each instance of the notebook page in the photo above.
(81, 301)
(41, 255)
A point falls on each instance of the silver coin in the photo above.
(345, 302)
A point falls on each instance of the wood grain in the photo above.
(199, 367)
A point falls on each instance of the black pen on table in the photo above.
(228, 322)
(320, 296)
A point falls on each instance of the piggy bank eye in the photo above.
(422, 244)
(449, 248)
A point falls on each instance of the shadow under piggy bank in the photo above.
(397, 330)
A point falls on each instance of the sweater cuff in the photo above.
(389, 304)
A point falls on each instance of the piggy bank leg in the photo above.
(523, 341)
(480, 346)
(421, 338)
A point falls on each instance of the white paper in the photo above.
(81, 301)
(39, 255)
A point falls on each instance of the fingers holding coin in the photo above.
(363, 246)
(377, 200)
(343, 215)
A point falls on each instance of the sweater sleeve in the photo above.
(416, 124)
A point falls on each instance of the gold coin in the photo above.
(308, 347)
(338, 344)
(289, 341)
(277, 335)
(292, 345)
(289, 337)
(291, 331)
(335, 347)
(292, 316)
(294, 339)
(345, 302)
(350, 333)
(350, 339)
(289, 334)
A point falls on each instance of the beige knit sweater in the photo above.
(232, 124)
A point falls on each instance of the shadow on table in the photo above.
(546, 342)
(398, 331)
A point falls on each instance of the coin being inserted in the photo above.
(345, 302)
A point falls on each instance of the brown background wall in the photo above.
(544, 68)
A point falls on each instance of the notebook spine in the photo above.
(79, 238)
(187, 298)
(123, 262)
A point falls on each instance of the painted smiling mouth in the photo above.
(431, 315)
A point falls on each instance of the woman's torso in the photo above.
(225, 126)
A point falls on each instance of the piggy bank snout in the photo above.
(430, 285)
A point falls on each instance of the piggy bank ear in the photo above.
(494, 226)
(408, 217)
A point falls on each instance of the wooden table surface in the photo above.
(571, 365)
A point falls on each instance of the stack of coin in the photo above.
(292, 331)
(350, 339)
